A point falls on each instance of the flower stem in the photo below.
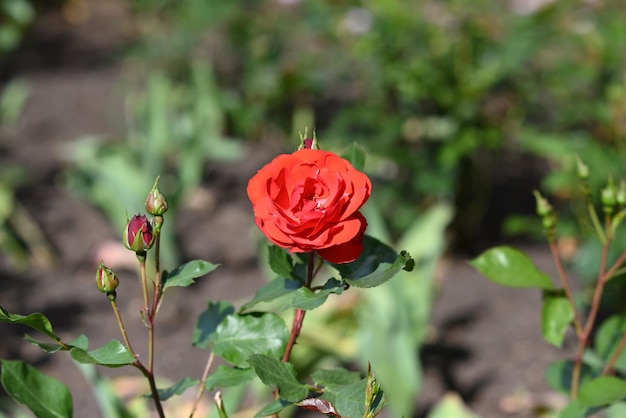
(300, 313)
(583, 339)
(565, 283)
(205, 375)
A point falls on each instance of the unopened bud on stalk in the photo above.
(308, 143)
(137, 235)
(608, 197)
(106, 280)
(546, 212)
(156, 204)
(582, 169)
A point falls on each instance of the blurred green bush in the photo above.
(439, 91)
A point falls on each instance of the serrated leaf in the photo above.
(36, 321)
(349, 400)
(278, 287)
(601, 391)
(306, 299)
(356, 156)
(204, 332)
(510, 267)
(45, 396)
(281, 263)
(376, 264)
(225, 376)
(239, 336)
(273, 408)
(339, 376)
(177, 389)
(113, 354)
(274, 372)
(556, 316)
(186, 274)
(608, 339)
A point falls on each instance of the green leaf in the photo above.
(177, 389)
(113, 354)
(608, 339)
(278, 287)
(274, 372)
(307, 299)
(376, 264)
(339, 376)
(81, 342)
(47, 347)
(273, 408)
(225, 376)
(185, 274)
(239, 336)
(556, 316)
(510, 267)
(204, 332)
(574, 410)
(559, 375)
(603, 390)
(356, 156)
(281, 263)
(349, 400)
(36, 321)
(44, 396)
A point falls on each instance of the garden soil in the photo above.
(485, 342)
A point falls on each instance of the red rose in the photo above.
(309, 201)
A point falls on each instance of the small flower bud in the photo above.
(106, 280)
(608, 197)
(156, 204)
(138, 234)
(582, 169)
(548, 217)
(308, 143)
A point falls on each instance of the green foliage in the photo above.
(15, 17)
(510, 267)
(44, 396)
(238, 337)
(556, 317)
(601, 391)
(112, 354)
(451, 406)
(274, 372)
(178, 388)
(225, 376)
(185, 274)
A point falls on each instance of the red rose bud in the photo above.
(309, 201)
(156, 204)
(138, 235)
(106, 280)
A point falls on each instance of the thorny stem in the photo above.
(299, 316)
(565, 283)
(205, 375)
(156, 301)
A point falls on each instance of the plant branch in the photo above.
(565, 283)
(205, 375)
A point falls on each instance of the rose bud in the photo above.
(106, 280)
(156, 204)
(309, 201)
(138, 235)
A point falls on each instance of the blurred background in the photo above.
(462, 107)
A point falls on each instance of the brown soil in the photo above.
(486, 342)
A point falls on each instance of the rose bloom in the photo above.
(309, 201)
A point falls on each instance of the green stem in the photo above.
(120, 323)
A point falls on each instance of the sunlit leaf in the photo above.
(274, 372)
(556, 316)
(113, 354)
(510, 267)
(186, 274)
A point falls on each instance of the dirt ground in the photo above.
(486, 342)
